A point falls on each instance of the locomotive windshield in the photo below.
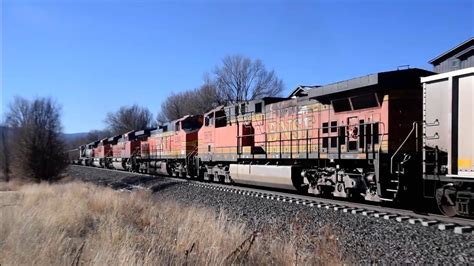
(190, 124)
(364, 101)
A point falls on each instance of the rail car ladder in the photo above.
(433, 159)
(190, 162)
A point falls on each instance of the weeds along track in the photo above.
(457, 224)
(365, 233)
(77, 223)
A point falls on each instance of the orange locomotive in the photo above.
(332, 139)
(126, 150)
(169, 148)
(102, 151)
(359, 138)
(336, 140)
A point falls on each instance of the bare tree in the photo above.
(241, 79)
(174, 107)
(4, 152)
(129, 118)
(206, 97)
(193, 102)
(238, 79)
(37, 145)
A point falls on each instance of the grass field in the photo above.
(76, 223)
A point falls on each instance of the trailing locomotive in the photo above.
(365, 138)
(169, 149)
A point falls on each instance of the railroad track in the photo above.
(458, 225)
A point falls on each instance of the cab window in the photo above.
(190, 124)
(221, 119)
(209, 120)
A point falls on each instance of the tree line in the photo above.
(32, 144)
(236, 79)
(30, 141)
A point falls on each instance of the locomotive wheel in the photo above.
(303, 189)
(445, 202)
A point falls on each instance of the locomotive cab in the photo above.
(127, 149)
(171, 147)
(371, 132)
(87, 153)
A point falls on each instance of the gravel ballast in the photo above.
(361, 239)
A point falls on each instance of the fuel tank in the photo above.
(266, 175)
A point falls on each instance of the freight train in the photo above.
(384, 137)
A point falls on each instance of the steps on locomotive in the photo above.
(390, 187)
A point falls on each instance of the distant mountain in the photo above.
(71, 137)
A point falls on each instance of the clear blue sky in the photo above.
(95, 56)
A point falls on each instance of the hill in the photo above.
(71, 137)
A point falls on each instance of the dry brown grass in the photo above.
(14, 184)
(77, 223)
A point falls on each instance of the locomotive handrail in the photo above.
(383, 134)
(414, 128)
(191, 154)
(308, 129)
(285, 139)
(314, 128)
(309, 140)
(136, 152)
